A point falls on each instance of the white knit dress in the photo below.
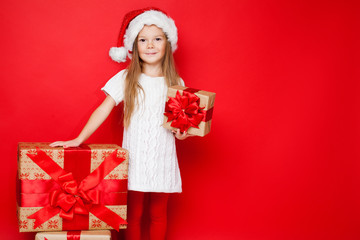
(153, 164)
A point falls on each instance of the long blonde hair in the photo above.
(132, 86)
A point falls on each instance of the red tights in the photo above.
(158, 215)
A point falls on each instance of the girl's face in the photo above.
(151, 45)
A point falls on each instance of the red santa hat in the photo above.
(133, 23)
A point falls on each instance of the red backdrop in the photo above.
(282, 160)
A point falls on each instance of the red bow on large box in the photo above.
(77, 193)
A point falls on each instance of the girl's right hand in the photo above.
(66, 144)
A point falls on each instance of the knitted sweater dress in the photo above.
(153, 164)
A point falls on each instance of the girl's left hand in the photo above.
(181, 136)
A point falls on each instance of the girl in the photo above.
(148, 37)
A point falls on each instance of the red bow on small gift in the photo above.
(184, 111)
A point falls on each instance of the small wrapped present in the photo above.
(189, 109)
(74, 235)
(83, 188)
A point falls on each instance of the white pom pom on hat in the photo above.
(132, 24)
(118, 54)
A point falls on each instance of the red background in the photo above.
(282, 160)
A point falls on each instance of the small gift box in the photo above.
(74, 235)
(81, 188)
(189, 109)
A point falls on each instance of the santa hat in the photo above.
(133, 23)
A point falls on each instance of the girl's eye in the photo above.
(158, 39)
(141, 40)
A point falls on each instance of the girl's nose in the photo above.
(150, 44)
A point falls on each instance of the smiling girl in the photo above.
(148, 37)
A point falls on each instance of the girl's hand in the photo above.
(66, 144)
(181, 136)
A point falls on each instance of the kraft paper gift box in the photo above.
(83, 188)
(72, 235)
(189, 109)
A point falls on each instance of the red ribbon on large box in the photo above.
(74, 192)
(184, 110)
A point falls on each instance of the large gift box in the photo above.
(189, 109)
(74, 235)
(81, 188)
